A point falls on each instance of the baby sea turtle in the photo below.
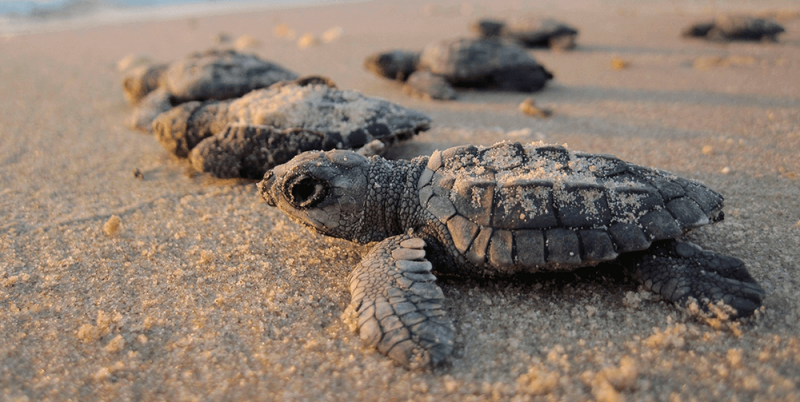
(529, 32)
(214, 74)
(736, 27)
(498, 211)
(245, 137)
(483, 63)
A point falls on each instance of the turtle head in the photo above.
(326, 191)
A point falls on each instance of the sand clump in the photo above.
(115, 345)
(283, 31)
(618, 63)
(307, 40)
(113, 226)
(332, 34)
(529, 107)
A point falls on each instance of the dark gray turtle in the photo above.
(498, 211)
(214, 74)
(736, 27)
(529, 32)
(395, 64)
(245, 137)
(483, 63)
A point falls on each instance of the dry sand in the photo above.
(197, 290)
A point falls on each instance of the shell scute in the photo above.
(473, 197)
(477, 250)
(425, 178)
(462, 231)
(628, 204)
(602, 165)
(668, 189)
(441, 208)
(563, 246)
(660, 225)
(504, 156)
(530, 248)
(442, 183)
(525, 204)
(687, 212)
(597, 246)
(582, 205)
(554, 153)
(461, 157)
(500, 247)
(628, 237)
(707, 199)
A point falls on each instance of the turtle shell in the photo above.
(220, 74)
(534, 206)
(486, 62)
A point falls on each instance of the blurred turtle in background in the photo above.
(154, 88)
(529, 32)
(247, 136)
(736, 27)
(468, 63)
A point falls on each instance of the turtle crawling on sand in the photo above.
(736, 27)
(214, 74)
(498, 211)
(529, 32)
(482, 63)
(245, 137)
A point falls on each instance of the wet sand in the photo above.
(203, 292)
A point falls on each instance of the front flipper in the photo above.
(398, 306)
(249, 150)
(679, 270)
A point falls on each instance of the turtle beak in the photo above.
(265, 187)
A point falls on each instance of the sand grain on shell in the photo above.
(313, 107)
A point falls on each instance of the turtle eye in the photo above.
(306, 191)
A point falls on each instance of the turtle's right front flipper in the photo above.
(249, 150)
(180, 129)
(398, 305)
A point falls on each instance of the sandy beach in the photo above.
(204, 292)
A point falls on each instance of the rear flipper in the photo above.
(398, 306)
(679, 270)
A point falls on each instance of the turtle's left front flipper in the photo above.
(398, 305)
(679, 270)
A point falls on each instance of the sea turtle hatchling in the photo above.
(529, 32)
(464, 62)
(245, 137)
(213, 74)
(736, 27)
(496, 211)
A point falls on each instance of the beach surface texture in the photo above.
(126, 275)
